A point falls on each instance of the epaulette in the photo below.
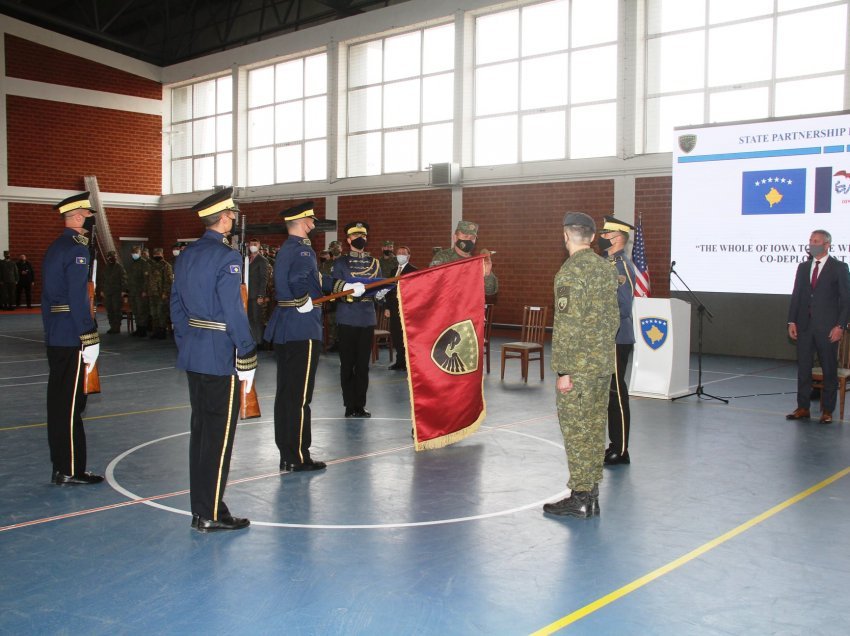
(80, 239)
(305, 241)
(615, 258)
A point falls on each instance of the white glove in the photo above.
(307, 307)
(382, 293)
(359, 289)
(248, 378)
(90, 355)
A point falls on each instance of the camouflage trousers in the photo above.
(141, 310)
(159, 312)
(113, 301)
(583, 417)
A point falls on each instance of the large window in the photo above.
(201, 136)
(400, 102)
(546, 82)
(727, 60)
(287, 121)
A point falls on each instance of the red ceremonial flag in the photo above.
(442, 316)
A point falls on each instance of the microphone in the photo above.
(672, 264)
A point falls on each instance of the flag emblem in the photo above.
(82, 260)
(774, 191)
(456, 349)
(654, 332)
(234, 269)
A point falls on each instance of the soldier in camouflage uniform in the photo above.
(159, 288)
(112, 283)
(334, 252)
(583, 348)
(388, 261)
(466, 235)
(137, 283)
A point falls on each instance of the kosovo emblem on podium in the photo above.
(654, 332)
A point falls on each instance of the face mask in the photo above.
(359, 243)
(253, 249)
(604, 244)
(111, 259)
(136, 257)
(88, 224)
(465, 245)
(817, 250)
(388, 253)
(402, 259)
(157, 258)
(175, 252)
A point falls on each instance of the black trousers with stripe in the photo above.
(296, 374)
(355, 355)
(215, 407)
(65, 405)
(619, 416)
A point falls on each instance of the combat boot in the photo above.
(594, 500)
(578, 504)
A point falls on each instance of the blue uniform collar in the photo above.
(218, 237)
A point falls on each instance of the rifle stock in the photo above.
(91, 379)
(249, 405)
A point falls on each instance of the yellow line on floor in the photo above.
(690, 556)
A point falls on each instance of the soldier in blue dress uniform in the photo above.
(295, 328)
(215, 348)
(70, 334)
(356, 319)
(612, 240)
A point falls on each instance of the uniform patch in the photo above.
(305, 254)
(563, 299)
(234, 269)
(622, 279)
(82, 260)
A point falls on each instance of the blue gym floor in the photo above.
(730, 520)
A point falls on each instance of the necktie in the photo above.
(815, 275)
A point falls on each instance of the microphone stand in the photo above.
(701, 311)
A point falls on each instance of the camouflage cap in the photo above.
(467, 227)
(579, 218)
(389, 243)
(157, 250)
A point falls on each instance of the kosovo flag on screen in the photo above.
(774, 192)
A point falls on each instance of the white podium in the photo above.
(661, 359)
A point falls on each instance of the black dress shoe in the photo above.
(360, 412)
(310, 464)
(228, 522)
(83, 478)
(613, 458)
(349, 411)
(195, 520)
(395, 367)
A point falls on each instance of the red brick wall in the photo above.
(420, 220)
(53, 145)
(31, 61)
(653, 196)
(524, 225)
(33, 227)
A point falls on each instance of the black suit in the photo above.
(395, 319)
(816, 312)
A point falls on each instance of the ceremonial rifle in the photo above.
(378, 283)
(249, 405)
(91, 377)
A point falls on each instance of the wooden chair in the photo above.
(382, 335)
(531, 340)
(843, 372)
(127, 313)
(488, 327)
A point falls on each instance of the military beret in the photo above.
(357, 227)
(300, 211)
(467, 227)
(216, 202)
(77, 202)
(615, 225)
(579, 218)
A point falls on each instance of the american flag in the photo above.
(639, 259)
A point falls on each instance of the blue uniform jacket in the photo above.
(625, 297)
(207, 278)
(296, 276)
(64, 288)
(356, 312)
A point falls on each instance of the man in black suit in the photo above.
(402, 254)
(819, 311)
